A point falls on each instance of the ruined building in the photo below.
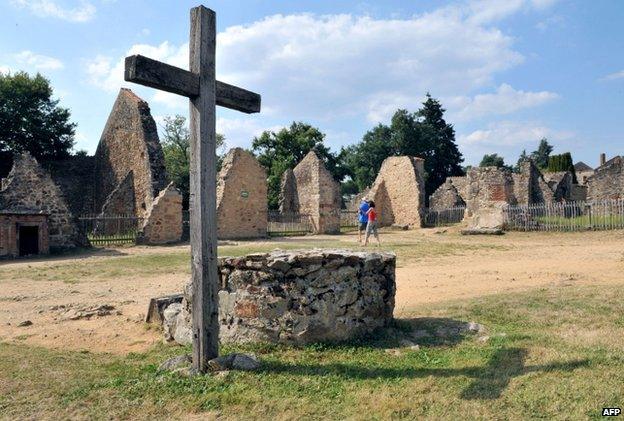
(129, 161)
(241, 197)
(399, 191)
(607, 182)
(488, 191)
(310, 189)
(34, 215)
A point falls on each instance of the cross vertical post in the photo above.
(203, 190)
(204, 93)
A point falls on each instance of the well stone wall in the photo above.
(297, 297)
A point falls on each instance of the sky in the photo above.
(508, 72)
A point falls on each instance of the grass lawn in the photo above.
(552, 353)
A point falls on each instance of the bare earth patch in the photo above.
(433, 267)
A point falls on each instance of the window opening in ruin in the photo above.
(28, 240)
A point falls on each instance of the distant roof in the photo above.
(582, 167)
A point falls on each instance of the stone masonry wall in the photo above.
(163, 223)
(530, 186)
(29, 188)
(297, 297)
(288, 201)
(121, 200)
(241, 197)
(399, 191)
(318, 194)
(130, 142)
(445, 197)
(608, 181)
(488, 190)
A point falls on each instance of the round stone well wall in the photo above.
(297, 297)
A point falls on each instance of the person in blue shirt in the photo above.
(362, 217)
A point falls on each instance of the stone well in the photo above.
(297, 297)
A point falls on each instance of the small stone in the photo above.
(415, 347)
(25, 323)
(483, 338)
(175, 363)
(393, 351)
(475, 327)
(245, 362)
(221, 363)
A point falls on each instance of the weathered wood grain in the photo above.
(203, 191)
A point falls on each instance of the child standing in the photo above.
(371, 227)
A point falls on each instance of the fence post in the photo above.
(588, 211)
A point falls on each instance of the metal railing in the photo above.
(288, 223)
(566, 216)
(444, 217)
(111, 229)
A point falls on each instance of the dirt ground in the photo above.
(46, 293)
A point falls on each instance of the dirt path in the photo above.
(38, 291)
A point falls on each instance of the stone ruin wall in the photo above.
(607, 183)
(241, 197)
(488, 191)
(399, 191)
(163, 223)
(313, 192)
(446, 196)
(76, 178)
(30, 188)
(121, 201)
(130, 142)
(296, 297)
(530, 186)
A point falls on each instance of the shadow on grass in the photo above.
(75, 254)
(488, 382)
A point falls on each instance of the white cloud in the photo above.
(488, 11)
(29, 60)
(4, 69)
(239, 132)
(83, 12)
(614, 76)
(505, 100)
(509, 133)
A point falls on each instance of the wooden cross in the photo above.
(204, 92)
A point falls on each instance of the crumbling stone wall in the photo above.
(121, 200)
(76, 178)
(561, 185)
(9, 232)
(241, 197)
(399, 191)
(488, 191)
(445, 197)
(297, 297)
(130, 142)
(163, 223)
(313, 192)
(288, 201)
(530, 185)
(30, 189)
(608, 181)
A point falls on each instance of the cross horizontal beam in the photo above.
(155, 74)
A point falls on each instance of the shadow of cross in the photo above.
(488, 382)
(204, 92)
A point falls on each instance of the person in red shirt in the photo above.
(371, 226)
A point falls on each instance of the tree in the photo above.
(541, 155)
(424, 134)
(30, 120)
(563, 162)
(177, 150)
(280, 151)
(492, 160)
(523, 158)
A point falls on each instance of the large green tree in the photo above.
(278, 151)
(541, 156)
(177, 150)
(424, 134)
(493, 160)
(31, 120)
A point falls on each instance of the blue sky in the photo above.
(508, 71)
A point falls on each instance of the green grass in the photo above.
(582, 221)
(553, 353)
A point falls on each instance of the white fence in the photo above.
(566, 216)
(444, 217)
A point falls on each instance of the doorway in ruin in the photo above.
(28, 240)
